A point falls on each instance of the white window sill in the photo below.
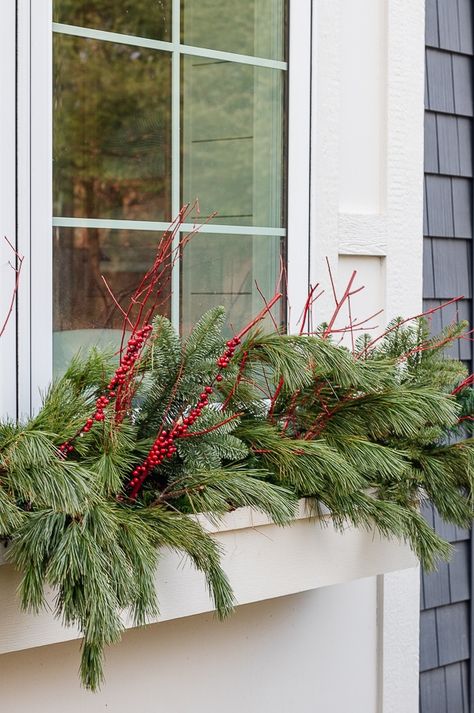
(262, 560)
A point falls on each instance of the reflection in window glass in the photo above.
(119, 154)
(112, 130)
(233, 132)
(84, 313)
(253, 27)
(142, 18)
(226, 270)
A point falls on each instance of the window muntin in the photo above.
(159, 124)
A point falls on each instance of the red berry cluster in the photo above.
(164, 447)
(225, 358)
(66, 448)
(127, 363)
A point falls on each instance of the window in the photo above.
(157, 103)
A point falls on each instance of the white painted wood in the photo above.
(371, 276)
(398, 646)
(405, 120)
(299, 125)
(7, 204)
(263, 561)
(41, 324)
(24, 202)
(350, 218)
(398, 681)
(34, 160)
(363, 107)
(312, 652)
(362, 234)
(325, 142)
(352, 227)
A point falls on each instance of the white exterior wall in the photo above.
(351, 648)
(298, 654)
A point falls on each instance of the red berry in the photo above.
(219, 377)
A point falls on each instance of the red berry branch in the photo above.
(121, 377)
(164, 445)
(137, 317)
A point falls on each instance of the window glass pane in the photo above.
(253, 27)
(225, 270)
(112, 130)
(142, 18)
(232, 141)
(84, 313)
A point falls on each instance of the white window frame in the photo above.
(31, 355)
(8, 376)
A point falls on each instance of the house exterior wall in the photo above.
(280, 655)
(352, 647)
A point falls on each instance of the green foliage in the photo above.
(368, 436)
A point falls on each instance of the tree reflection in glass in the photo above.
(252, 27)
(112, 130)
(142, 18)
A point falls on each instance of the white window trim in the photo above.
(34, 185)
(8, 378)
(34, 196)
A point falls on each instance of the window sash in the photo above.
(35, 175)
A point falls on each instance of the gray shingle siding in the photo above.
(445, 597)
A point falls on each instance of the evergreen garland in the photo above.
(120, 458)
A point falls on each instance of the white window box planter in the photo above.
(262, 560)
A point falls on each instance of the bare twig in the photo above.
(17, 270)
